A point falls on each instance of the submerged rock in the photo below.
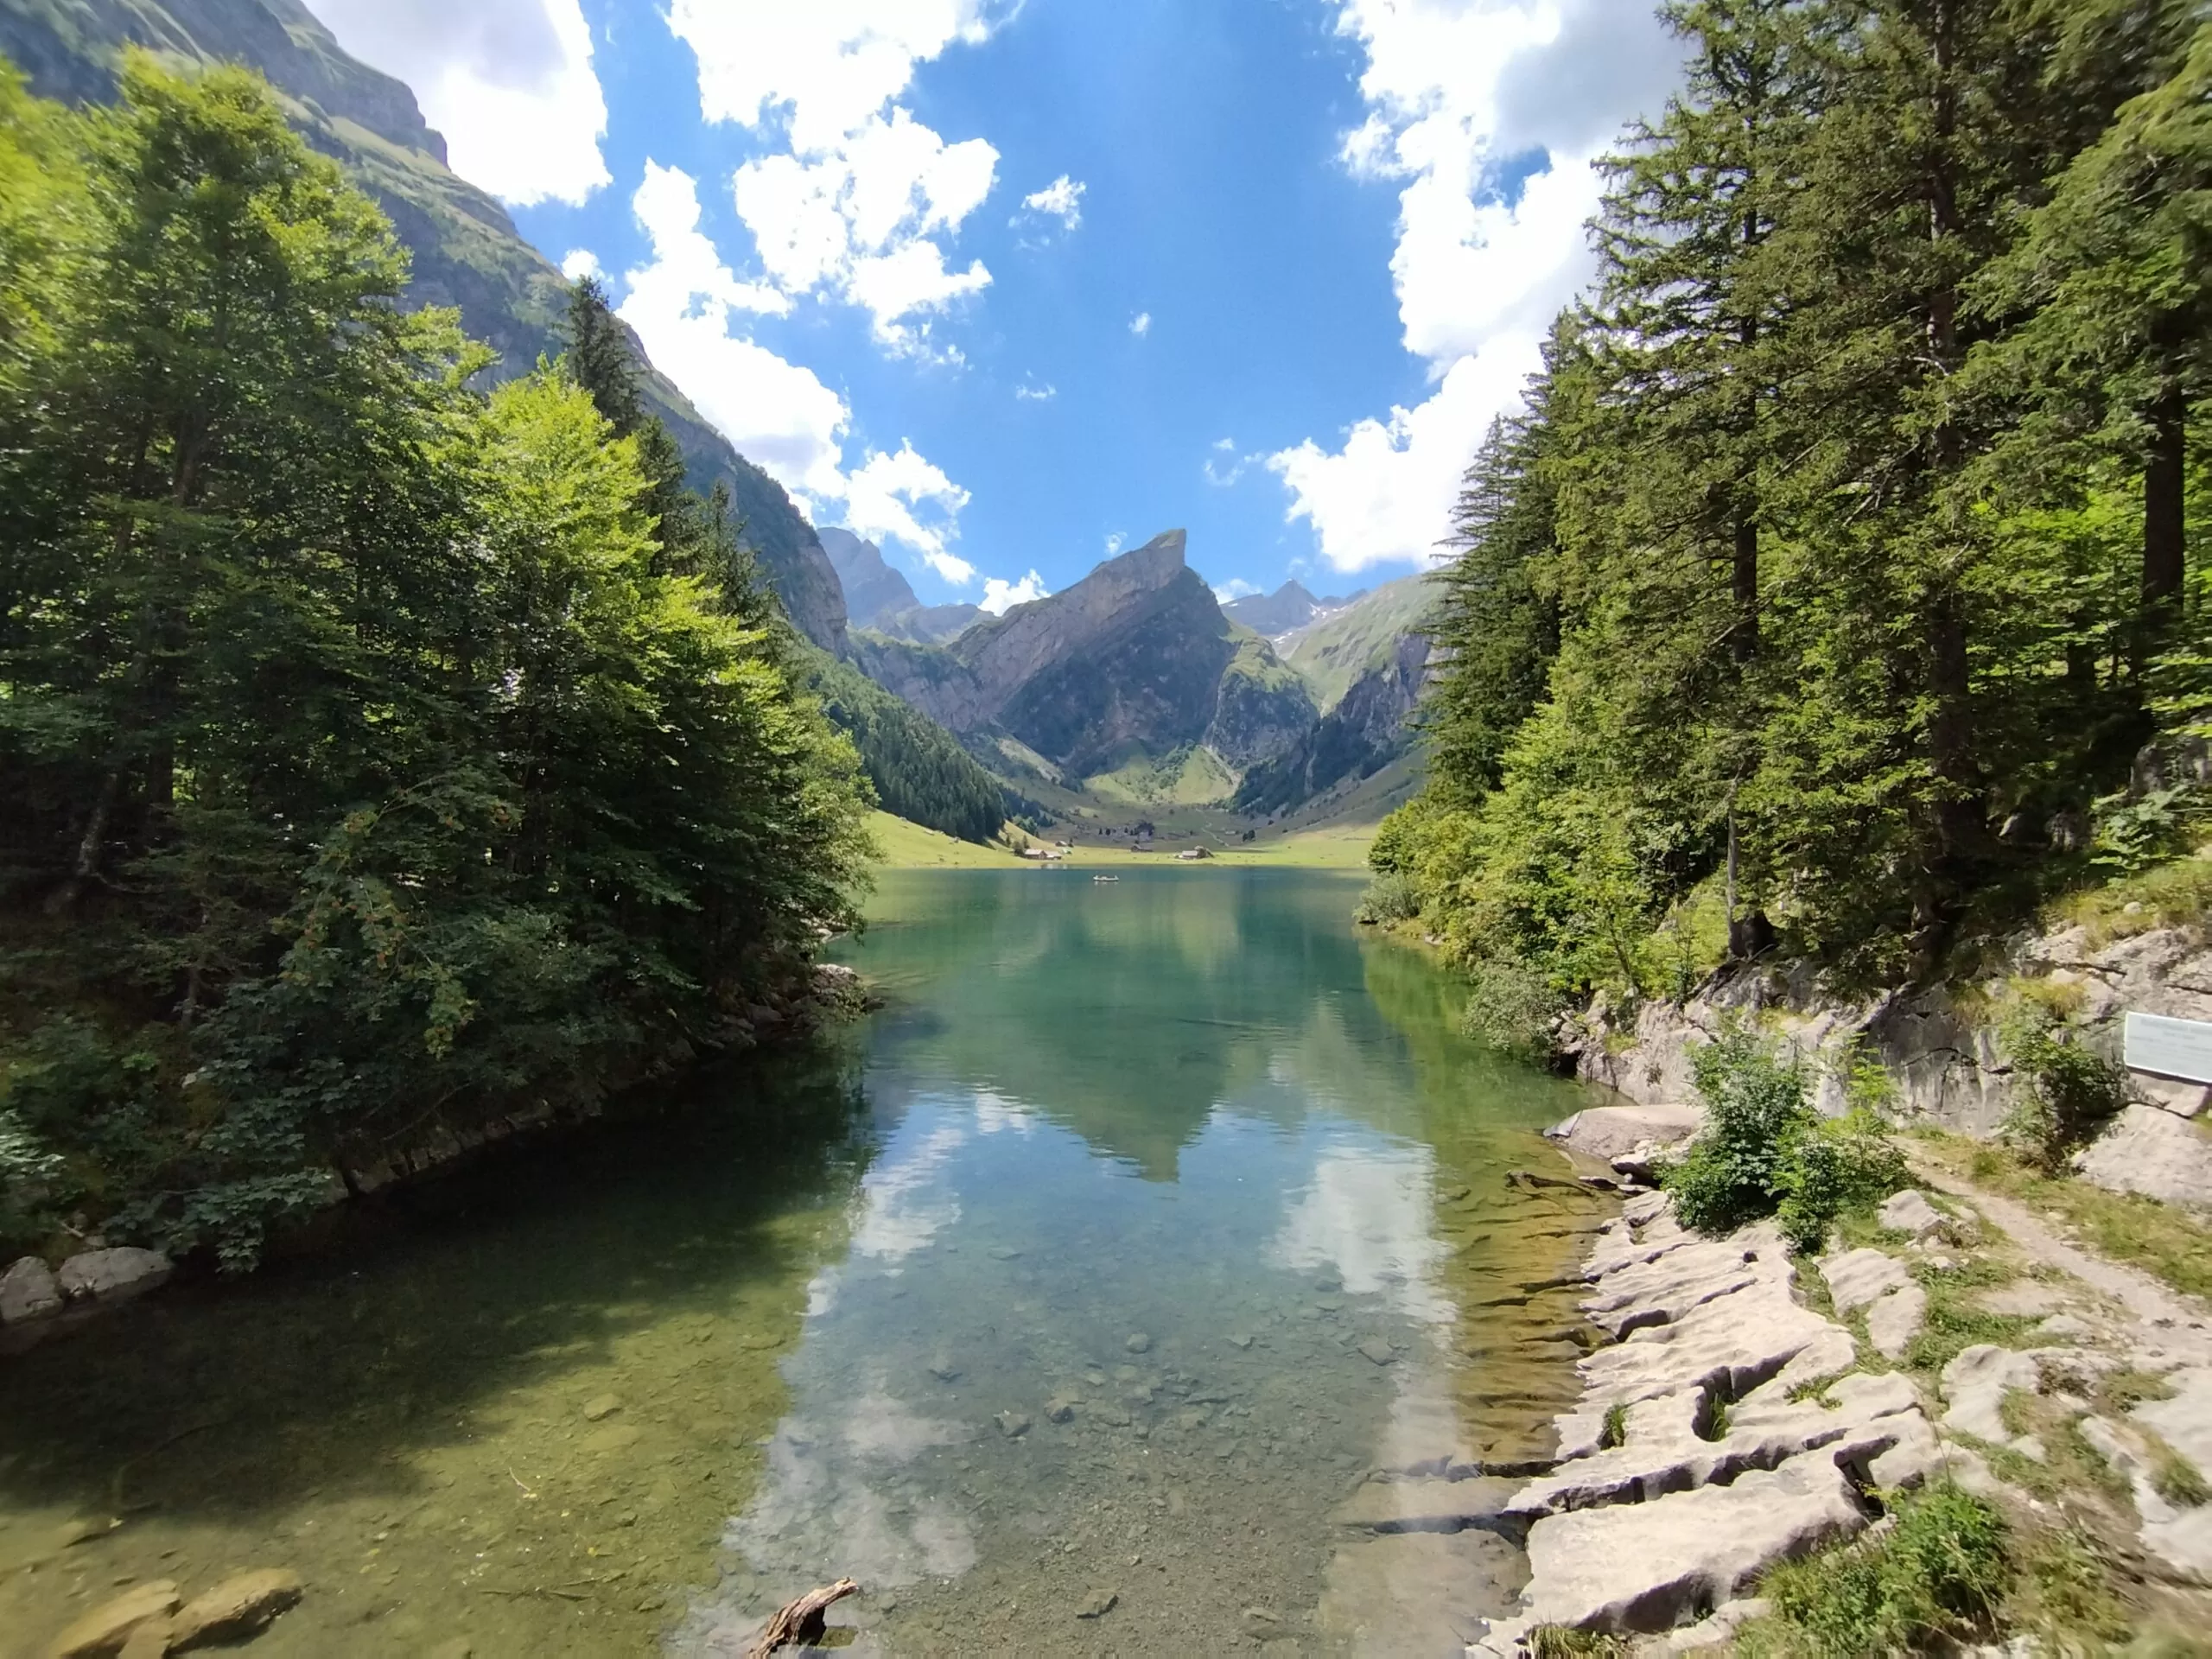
(101, 1632)
(238, 1606)
(601, 1406)
(1098, 1604)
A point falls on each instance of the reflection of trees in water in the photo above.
(440, 1356)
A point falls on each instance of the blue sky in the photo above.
(1004, 287)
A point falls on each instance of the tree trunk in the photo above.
(2165, 477)
(1745, 641)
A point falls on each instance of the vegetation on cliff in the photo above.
(377, 755)
(1847, 556)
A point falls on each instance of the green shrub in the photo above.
(1510, 1007)
(2067, 1092)
(1390, 897)
(1932, 1579)
(1764, 1151)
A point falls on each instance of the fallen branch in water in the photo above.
(798, 1623)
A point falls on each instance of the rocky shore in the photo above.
(1740, 1409)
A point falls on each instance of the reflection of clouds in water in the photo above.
(837, 1497)
(899, 1212)
(1366, 1213)
(995, 1112)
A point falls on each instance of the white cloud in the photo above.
(1000, 597)
(1223, 473)
(579, 263)
(1062, 199)
(1236, 587)
(1116, 541)
(778, 414)
(1141, 324)
(508, 82)
(856, 203)
(1036, 394)
(885, 499)
(1454, 91)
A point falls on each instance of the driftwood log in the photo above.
(798, 1623)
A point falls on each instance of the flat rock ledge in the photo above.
(1705, 1447)
(37, 1300)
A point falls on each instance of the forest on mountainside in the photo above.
(378, 755)
(1841, 592)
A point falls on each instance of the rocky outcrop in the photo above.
(36, 1300)
(879, 598)
(1940, 1051)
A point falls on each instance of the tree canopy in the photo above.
(379, 757)
(1849, 551)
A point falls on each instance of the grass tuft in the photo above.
(1934, 1577)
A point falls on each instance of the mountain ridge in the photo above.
(467, 252)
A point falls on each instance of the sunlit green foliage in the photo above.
(1836, 571)
(377, 757)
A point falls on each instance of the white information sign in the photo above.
(2172, 1048)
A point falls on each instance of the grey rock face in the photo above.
(1895, 1320)
(28, 1291)
(872, 588)
(113, 1275)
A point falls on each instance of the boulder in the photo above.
(1909, 1211)
(2154, 1152)
(238, 1606)
(28, 1291)
(1895, 1320)
(113, 1275)
(1857, 1277)
(1604, 1133)
(101, 1632)
(1975, 1384)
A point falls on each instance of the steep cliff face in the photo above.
(1367, 729)
(1135, 657)
(872, 588)
(467, 251)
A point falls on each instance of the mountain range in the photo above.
(1137, 669)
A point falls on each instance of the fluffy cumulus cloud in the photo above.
(859, 197)
(581, 263)
(1000, 597)
(682, 303)
(1235, 588)
(1031, 393)
(1461, 96)
(509, 82)
(1141, 324)
(903, 498)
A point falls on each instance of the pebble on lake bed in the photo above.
(1139, 1343)
(1014, 1424)
(1378, 1350)
(600, 1406)
(1098, 1604)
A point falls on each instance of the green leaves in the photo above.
(405, 757)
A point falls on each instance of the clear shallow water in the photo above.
(1099, 1268)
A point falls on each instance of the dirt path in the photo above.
(2163, 1317)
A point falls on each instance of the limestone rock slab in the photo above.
(1857, 1277)
(2154, 1153)
(1644, 1567)
(1895, 1320)
(1909, 1211)
(103, 1632)
(1604, 1133)
(239, 1606)
(1975, 1383)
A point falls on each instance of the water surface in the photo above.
(1064, 1303)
